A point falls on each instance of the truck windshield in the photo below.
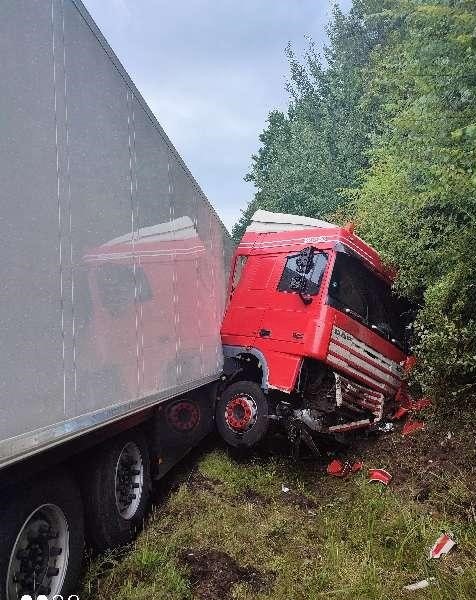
(294, 280)
(366, 297)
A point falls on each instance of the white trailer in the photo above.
(112, 280)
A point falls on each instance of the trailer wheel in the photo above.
(116, 489)
(242, 414)
(41, 539)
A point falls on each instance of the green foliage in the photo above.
(315, 150)
(417, 201)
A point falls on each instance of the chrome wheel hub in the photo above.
(39, 558)
(129, 480)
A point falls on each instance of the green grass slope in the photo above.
(227, 530)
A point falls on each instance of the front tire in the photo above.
(41, 538)
(116, 490)
(242, 415)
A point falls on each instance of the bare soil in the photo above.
(213, 574)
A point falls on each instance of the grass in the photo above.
(325, 538)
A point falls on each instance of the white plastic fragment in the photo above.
(284, 488)
(442, 546)
(419, 585)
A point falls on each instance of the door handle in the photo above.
(264, 332)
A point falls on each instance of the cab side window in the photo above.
(295, 278)
(348, 287)
(237, 273)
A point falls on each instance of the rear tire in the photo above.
(41, 525)
(116, 490)
(242, 415)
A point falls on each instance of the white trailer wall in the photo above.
(112, 275)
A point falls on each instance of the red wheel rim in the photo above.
(240, 413)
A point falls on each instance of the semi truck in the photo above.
(112, 279)
(315, 340)
(113, 290)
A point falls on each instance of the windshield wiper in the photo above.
(380, 330)
(356, 315)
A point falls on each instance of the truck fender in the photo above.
(237, 351)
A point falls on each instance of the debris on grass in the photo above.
(442, 546)
(420, 404)
(339, 468)
(380, 476)
(284, 488)
(400, 413)
(412, 426)
(411, 406)
(420, 585)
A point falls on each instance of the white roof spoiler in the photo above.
(264, 221)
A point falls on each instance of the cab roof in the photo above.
(278, 232)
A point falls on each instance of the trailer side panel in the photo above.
(113, 261)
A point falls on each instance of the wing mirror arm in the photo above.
(308, 255)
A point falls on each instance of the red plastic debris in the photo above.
(442, 546)
(380, 475)
(412, 426)
(420, 404)
(409, 364)
(400, 413)
(338, 468)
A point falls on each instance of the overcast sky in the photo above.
(211, 70)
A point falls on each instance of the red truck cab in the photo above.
(313, 327)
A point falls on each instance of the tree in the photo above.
(417, 202)
(308, 155)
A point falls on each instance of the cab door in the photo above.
(248, 300)
(293, 295)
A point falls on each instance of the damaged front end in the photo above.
(329, 404)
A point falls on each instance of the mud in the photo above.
(298, 500)
(253, 497)
(214, 573)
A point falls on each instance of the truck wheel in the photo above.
(242, 414)
(116, 489)
(41, 539)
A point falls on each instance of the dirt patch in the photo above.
(253, 497)
(214, 573)
(198, 482)
(298, 500)
(425, 463)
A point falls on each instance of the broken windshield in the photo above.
(364, 296)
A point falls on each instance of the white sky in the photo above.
(211, 70)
